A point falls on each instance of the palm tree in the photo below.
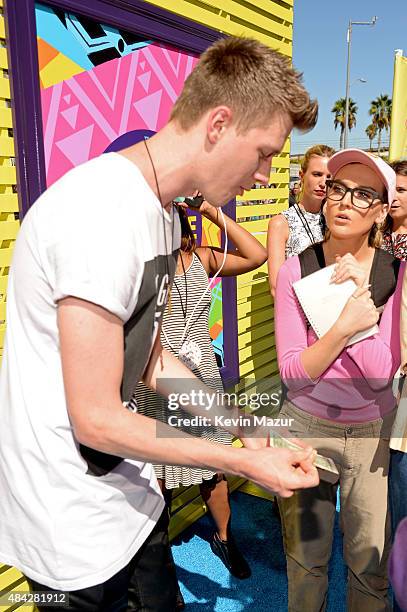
(371, 132)
(380, 111)
(339, 109)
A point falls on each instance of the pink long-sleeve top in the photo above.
(357, 386)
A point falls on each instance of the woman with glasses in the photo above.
(301, 225)
(340, 393)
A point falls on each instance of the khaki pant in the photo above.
(361, 453)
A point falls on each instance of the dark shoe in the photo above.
(180, 603)
(276, 510)
(231, 557)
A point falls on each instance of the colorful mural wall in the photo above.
(89, 105)
(99, 83)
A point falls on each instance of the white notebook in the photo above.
(323, 302)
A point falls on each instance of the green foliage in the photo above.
(380, 111)
(371, 133)
(339, 110)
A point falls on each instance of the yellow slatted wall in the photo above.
(270, 21)
(11, 580)
(8, 199)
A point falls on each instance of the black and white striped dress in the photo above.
(186, 292)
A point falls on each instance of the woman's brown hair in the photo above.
(188, 242)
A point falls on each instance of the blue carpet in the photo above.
(207, 585)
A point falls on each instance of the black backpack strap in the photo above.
(312, 259)
(383, 277)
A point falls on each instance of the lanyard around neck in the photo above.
(304, 222)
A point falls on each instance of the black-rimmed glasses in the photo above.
(361, 197)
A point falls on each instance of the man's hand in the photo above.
(260, 437)
(255, 443)
(283, 471)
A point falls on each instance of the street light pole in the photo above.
(349, 41)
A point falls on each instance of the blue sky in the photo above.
(320, 52)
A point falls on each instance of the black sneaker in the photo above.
(231, 557)
(180, 603)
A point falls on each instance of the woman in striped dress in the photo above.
(185, 323)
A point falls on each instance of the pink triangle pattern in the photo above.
(168, 55)
(77, 146)
(145, 80)
(71, 115)
(148, 109)
(87, 112)
(104, 83)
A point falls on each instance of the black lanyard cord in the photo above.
(304, 222)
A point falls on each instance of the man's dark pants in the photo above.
(147, 584)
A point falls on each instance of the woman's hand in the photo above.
(207, 210)
(358, 314)
(185, 204)
(347, 267)
(195, 201)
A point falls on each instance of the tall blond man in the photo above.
(80, 506)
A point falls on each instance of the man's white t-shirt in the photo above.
(70, 517)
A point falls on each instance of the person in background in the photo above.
(295, 229)
(395, 241)
(398, 567)
(398, 474)
(340, 394)
(186, 323)
(294, 193)
(395, 225)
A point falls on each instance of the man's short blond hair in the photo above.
(253, 80)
